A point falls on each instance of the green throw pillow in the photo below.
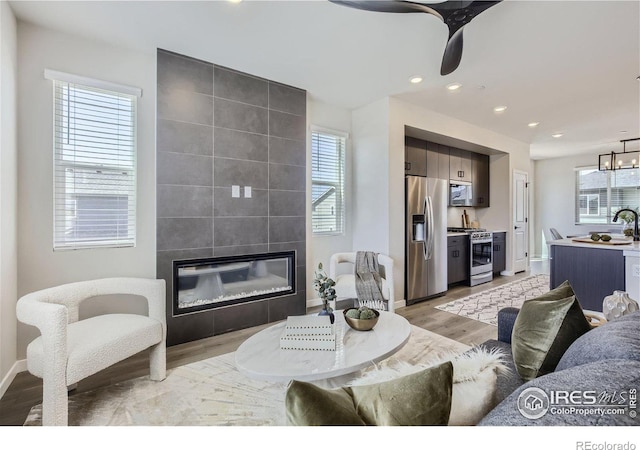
(544, 329)
(422, 398)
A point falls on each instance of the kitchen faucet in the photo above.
(636, 234)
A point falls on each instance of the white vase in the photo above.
(617, 305)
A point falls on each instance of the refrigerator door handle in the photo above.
(429, 227)
(426, 229)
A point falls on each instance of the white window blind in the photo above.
(327, 182)
(94, 167)
(600, 194)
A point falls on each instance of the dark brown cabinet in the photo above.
(415, 157)
(437, 161)
(460, 165)
(480, 180)
(457, 259)
(499, 252)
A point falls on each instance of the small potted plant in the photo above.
(627, 218)
(325, 288)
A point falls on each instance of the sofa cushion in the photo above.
(421, 398)
(346, 287)
(618, 339)
(543, 330)
(613, 378)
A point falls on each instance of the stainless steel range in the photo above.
(481, 269)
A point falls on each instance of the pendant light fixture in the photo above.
(617, 160)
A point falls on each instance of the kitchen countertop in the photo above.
(630, 249)
(450, 233)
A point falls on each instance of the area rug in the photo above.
(484, 306)
(213, 392)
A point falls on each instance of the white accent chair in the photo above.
(70, 350)
(346, 283)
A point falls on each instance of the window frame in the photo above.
(340, 190)
(109, 170)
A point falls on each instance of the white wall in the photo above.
(8, 192)
(320, 248)
(38, 265)
(555, 187)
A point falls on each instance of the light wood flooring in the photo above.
(26, 390)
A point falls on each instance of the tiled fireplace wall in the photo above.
(218, 127)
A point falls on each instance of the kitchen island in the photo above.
(594, 270)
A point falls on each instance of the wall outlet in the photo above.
(635, 271)
(235, 191)
(247, 192)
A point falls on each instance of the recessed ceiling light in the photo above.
(499, 109)
(623, 131)
(533, 124)
(235, 1)
(557, 135)
(415, 80)
(454, 86)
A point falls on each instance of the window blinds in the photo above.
(94, 167)
(600, 194)
(327, 185)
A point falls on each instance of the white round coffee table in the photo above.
(261, 358)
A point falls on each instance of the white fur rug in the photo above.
(213, 392)
(484, 306)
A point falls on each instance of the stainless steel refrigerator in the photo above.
(426, 238)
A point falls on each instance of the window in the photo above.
(94, 164)
(327, 182)
(599, 194)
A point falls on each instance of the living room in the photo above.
(126, 45)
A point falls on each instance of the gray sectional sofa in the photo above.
(602, 366)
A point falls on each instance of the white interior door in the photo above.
(520, 221)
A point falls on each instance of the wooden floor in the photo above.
(26, 390)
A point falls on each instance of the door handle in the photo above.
(516, 227)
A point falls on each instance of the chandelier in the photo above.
(616, 160)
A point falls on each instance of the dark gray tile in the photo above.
(184, 201)
(287, 203)
(286, 229)
(290, 305)
(240, 231)
(240, 87)
(240, 145)
(290, 178)
(183, 137)
(228, 172)
(287, 151)
(190, 327)
(287, 99)
(186, 169)
(227, 206)
(301, 278)
(235, 250)
(175, 234)
(185, 106)
(182, 72)
(239, 116)
(288, 126)
(238, 317)
(299, 247)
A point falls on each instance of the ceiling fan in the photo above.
(456, 14)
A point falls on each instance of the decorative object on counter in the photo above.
(629, 215)
(595, 320)
(308, 333)
(617, 305)
(484, 306)
(325, 288)
(617, 161)
(361, 319)
(465, 220)
(600, 241)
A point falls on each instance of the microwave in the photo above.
(460, 193)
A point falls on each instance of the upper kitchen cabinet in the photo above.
(437, 161)
(480, 180)
(460, 165)
(415, 157)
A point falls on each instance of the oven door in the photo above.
(481, 256)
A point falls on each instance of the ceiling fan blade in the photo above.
(389, 6)
(452, 53)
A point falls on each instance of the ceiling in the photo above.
(570, 65)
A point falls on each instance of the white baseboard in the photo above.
(507, 273)
(18, 366)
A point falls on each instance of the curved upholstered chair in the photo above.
(70, 350)
(346, 283)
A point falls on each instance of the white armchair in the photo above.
(70, 350)
(346, 283)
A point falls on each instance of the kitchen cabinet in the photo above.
(480, 180)
(499, 252)
(415, 157)
(457, 259)
(460, 165)
(437, 161)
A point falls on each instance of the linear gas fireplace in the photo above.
(209, 283)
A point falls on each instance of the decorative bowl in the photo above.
(361, 324)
